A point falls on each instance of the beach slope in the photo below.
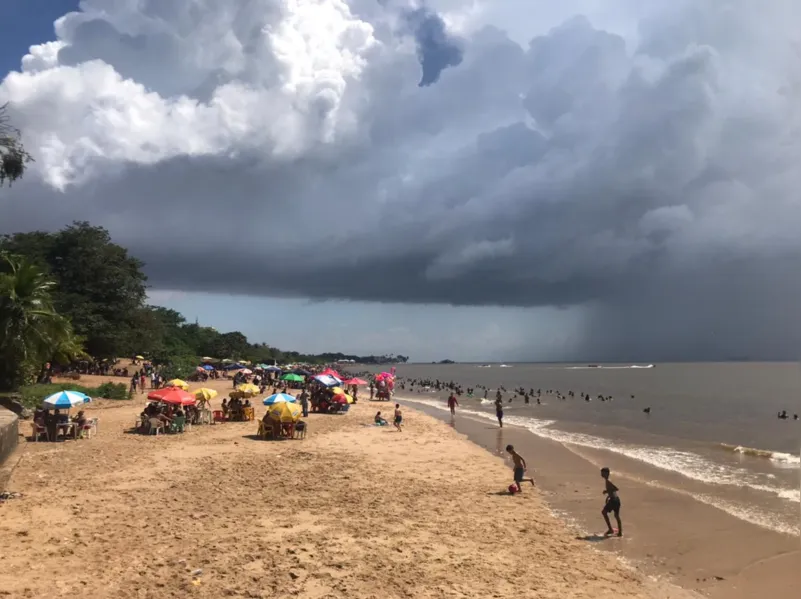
(351, 511)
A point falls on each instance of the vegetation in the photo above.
(75, 289)
(13, 157)
(31, 331)
(32, 395)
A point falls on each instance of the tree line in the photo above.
(74, 294)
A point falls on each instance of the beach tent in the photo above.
(328, 380)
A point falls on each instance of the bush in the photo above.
(32, 395)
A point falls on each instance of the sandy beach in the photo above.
(351, 511)
(669, 534)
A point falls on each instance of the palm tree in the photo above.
(31, 331)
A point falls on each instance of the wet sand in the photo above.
(352, 511)
(668, 534)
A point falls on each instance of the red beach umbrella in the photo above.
(173, 395)
(354, 381)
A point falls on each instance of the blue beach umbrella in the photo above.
(328, 380)
(66, 399)
(279, 398)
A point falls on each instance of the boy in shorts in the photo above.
(520, 468)
(612, 505)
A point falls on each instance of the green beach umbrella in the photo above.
(296, 378)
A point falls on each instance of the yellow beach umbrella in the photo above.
(248, 389)
(285, 412)
(208, 359)
(205, 393)
(178, 383)
(341, 392)
(139, 357)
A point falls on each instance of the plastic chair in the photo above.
(37, 430)
(250, 413)
(219, 416)
(178, 424)
(156, 425)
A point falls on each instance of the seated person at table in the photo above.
(62, 418)
(380, 421)
(178, 412)
(80, 419)
(247, 403)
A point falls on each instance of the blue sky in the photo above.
(25, 23)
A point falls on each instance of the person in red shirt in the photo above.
(452, 403)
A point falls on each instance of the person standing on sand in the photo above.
(520, 468)
(499, 411)
(304, 402)
(612, 505)
(452, 403)
(398, 420)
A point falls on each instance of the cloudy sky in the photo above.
(470, 179)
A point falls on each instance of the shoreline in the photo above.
(668, 534)
(353, 511)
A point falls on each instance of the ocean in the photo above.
(712, 432)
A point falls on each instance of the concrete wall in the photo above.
(9, 433)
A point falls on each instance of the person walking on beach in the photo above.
(398, 420)
(612, 505)
(499, 411)
(452, 403)
(520, 468)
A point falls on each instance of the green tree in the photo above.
(13, 157)
(100, 287)
(31, 331)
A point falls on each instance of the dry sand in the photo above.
(351, 511)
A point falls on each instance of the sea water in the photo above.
(712, 428)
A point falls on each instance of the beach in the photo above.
(352, 510)
(709, 479)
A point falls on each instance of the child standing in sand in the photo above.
(398, 421)
(612, 505)
(520, 467)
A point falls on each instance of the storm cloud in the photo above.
(647, 174)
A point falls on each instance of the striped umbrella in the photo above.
(65, 399)
(279, 398)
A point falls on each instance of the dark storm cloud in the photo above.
(652, 187)
(436, 49)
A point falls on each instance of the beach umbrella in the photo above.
(278, 398)
(327, 380)
(208, 367)
(302, 371)
(178, 383)
(275, 369)
(172, 395)
(227, 360)
(208, 359)
(295, 378)
(247, 371)
(205, 393)
(354, 381)
(248, 389)
(139, 357)
(65, 399)
(285, 412)
(246, 362)
(339, 392)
